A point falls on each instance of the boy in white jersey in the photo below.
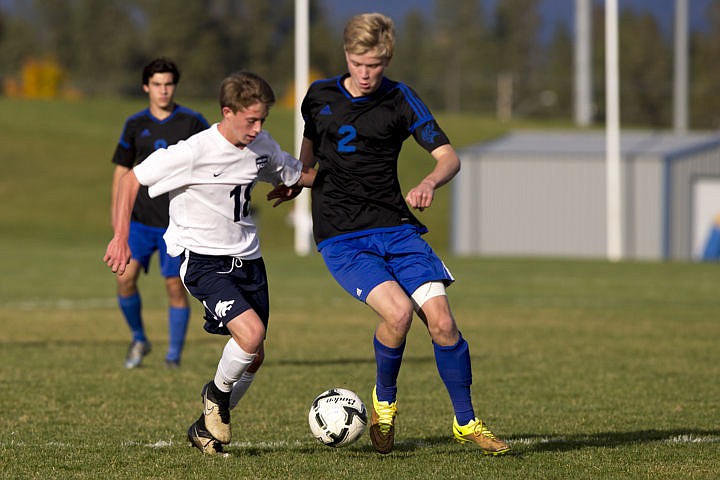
(210, 177)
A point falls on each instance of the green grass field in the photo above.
(592, 370)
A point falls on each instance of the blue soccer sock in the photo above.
(453, 364)
(178, 319)
(388, 361)
(131, 308)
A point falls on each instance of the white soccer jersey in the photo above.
(210, 181)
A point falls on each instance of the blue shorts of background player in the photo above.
(144, 241)
(360, 262)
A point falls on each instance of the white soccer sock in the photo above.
(240, 387)
(232, 365)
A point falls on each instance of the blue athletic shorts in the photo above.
(144, 241)
(227, 287)
(361, 263)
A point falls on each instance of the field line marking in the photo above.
(675, 439)
(62, 304)
(274, 445)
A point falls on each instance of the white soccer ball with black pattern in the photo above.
(337, 417)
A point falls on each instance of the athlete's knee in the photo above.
(257, 362)
(435, 313)
(248, 330)
(127, 282)
(399, 318)
(177, 295)
(445, 333)
(126, 285)
(393, 306)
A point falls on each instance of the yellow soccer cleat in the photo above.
(382, 424)
(476, 431)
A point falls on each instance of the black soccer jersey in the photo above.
(357, 142)
(141, 136)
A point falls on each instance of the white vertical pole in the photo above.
(302, 220)
(680, 87)
(612, 133)
(583, 64)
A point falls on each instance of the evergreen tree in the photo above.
(645, 71)
(413, 55)
(101, 43)
(453, 57)
(459, 47)
(518, 51)
(188, 33)
(557, 75)
(704, 76)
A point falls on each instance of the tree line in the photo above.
(461, 58)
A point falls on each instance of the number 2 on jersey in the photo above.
(349, 133)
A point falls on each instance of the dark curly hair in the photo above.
(160, 65)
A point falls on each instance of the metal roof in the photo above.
(592, 143)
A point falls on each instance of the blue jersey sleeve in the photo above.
(421, 122)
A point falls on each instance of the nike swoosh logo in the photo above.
(217, 174)
(208, 411)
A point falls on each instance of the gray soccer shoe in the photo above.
(136, 352)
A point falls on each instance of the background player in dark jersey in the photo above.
(162, 124)
(355, 125)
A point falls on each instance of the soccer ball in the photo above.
(337, 417)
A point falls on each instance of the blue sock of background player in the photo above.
(131, 308)
(178, 319)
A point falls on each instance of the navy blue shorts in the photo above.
(227, 287)
(361, 263)
(144, 241)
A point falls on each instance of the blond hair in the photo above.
(370, 32)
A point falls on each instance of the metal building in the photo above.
(542, 193)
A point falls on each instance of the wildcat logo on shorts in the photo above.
(222, 307)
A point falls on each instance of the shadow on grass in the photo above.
(559, 442)
(521, 444)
